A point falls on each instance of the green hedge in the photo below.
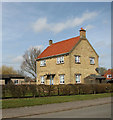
(19, 91)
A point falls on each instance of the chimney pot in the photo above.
(82, 33)
(50, 42)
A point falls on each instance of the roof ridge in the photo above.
(65, 40)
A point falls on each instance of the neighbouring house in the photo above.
(11, 78)
(67, 62)
(109, 75)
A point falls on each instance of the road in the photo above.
(87, 108)
(98, 111)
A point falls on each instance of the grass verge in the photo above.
(13, 103)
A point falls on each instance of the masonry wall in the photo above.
(84, 68)
(53, 68)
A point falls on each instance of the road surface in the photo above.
(99, 111)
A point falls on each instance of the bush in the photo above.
(33, 90)
(3, 91)
(11, 90)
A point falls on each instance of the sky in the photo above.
(33, 24)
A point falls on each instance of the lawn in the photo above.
(22, 102)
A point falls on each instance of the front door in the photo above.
(51, 79)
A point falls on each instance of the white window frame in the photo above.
(78, 76)
(109, 76)
(42, 80)
(43, 63)
(62, 79)
(92, 60)
(77, 59)
(15, 81)
(60, 60)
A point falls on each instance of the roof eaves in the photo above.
(52, 56)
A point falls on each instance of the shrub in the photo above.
(19, 91)
(33, 90)
(3, 90)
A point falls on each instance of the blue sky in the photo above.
(34, 23)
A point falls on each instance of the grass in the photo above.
(13, 103)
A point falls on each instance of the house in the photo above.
(11, 78)
(67, 62)
(109, 75)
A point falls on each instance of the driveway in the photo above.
(23, 112)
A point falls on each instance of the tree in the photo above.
(101, 70)
(29, 61)
(7, 70)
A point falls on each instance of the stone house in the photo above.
(67, 62)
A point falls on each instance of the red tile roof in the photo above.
(108, 72)
(59, 47)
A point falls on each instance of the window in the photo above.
(77, 78)
(60, 60)
(92, 60)
(15, 81)
(109, 76)
(42, 79)
(42, 63)
(77, 59)
(61, 79)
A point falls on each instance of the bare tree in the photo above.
(29, 61)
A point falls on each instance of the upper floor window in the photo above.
(42, 79)
(77, 59)
(92, 60)
(42, 63)
(60, 60)
(61, 79)
(109, 76)
(78, 78)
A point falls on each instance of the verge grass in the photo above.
(23, 102)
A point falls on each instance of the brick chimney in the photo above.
(50, 42)
(82, 33)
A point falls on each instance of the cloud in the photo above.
(105, 22)
(42, 23)
(17, 59)
(89, 27)
(39, 47)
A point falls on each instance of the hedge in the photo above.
(22, 91)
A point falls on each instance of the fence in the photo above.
(22, 91)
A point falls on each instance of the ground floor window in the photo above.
(15, 81)
(78, 78)
(42, 79)
(61, 79)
